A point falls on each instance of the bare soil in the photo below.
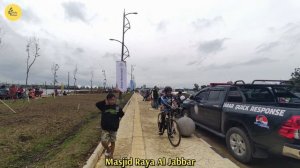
(43, 131)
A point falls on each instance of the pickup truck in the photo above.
(255, 119)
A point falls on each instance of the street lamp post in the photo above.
(126, 52)
(126, 26)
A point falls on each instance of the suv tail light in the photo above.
(291, 128)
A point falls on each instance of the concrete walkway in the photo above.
(138, 139)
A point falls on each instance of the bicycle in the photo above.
(172, 127)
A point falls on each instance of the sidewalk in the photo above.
(138, 138)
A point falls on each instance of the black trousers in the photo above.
(163, 121)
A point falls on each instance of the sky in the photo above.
(171, 42)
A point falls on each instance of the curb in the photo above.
(92, 161)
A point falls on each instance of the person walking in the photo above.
(110, 120)
(155, 96)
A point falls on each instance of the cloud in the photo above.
(13, 59)
(207, 23)
(266, 47)
(79, 50)
(212, 47)
(29, 16)
(191, 63)
(145, 68)
(115, 56)
(288, 38)
(1, 35)
(164, 59)
(162, 26)
(255, 61)
(291, 34)
(75, 10)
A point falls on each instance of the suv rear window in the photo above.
(260, 94)
(234, 95)
(283, 95)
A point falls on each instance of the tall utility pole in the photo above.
(132, 69)
(54, 69)
(92, 76)
(104, 82)
(68, 82)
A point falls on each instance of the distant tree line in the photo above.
(296, 76)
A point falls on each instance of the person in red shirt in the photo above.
(20, 92)
(13, 92)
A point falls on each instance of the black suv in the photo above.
(255, 119)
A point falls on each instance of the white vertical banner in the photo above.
(121, 76)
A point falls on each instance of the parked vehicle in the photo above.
(176, 91)
(4, 94)
(255, 119)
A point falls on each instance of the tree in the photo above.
(296, 76)
(196, 87)
(54, 70)
(32, 49)
(74, 77)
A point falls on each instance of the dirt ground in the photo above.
(31, 135)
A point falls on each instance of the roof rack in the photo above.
(281, 82)
(236, 82)
(217, 84)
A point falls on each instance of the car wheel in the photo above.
(239, 144)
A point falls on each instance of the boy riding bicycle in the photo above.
(167, 101)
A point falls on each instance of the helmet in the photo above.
(182, 98)
(168, 89)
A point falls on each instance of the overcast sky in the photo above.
(171, 42)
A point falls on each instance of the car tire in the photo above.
(239, 144)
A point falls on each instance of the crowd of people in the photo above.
(15, 92)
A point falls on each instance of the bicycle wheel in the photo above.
(174, 134)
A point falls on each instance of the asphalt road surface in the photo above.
(218, 144)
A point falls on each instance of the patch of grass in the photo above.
(73, 152)
(50, 132)
(124, 100)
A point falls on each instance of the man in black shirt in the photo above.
(110, 119)
(155, 97)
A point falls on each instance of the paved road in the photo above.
(219, 146)
(138, 138)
